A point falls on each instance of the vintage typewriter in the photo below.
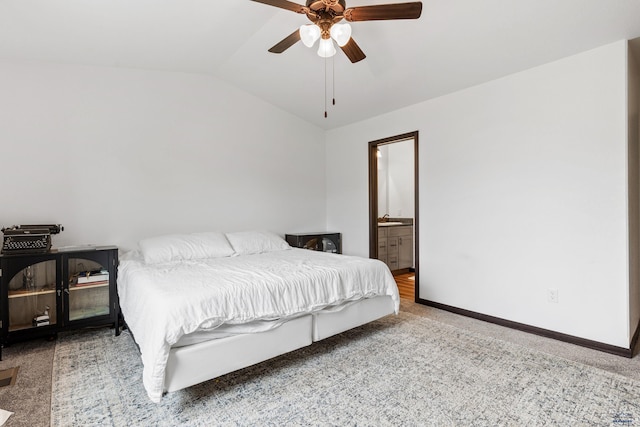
(29, 239)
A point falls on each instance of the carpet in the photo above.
(400, 370)
(34, 359)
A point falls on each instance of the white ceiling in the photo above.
(455, 44)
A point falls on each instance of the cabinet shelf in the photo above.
(25, 293)
(92, 286)
(26, 326)
(85, 313)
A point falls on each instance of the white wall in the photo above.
(523, 180)
(523, 187)
(633, 93)
(116, 155)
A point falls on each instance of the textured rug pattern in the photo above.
(401, 370)
(34, 360)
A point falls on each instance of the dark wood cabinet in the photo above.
(43, 294)
(323, 241)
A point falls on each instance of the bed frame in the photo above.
(200, 362)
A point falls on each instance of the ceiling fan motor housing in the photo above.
(337, 6)
(325, 13)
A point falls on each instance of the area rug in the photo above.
(400, 370)
(29, 397)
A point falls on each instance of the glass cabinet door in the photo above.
(88, 292)
(32, 297)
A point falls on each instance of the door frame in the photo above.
(373, 199)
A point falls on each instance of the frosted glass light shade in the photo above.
(341, 33)
(309, 34)
(326, 48)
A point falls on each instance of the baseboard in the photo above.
(634, 340)
(596, 345)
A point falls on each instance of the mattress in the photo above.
(164, 302)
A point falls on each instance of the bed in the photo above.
(202, 305)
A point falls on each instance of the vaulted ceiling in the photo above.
(454, 45)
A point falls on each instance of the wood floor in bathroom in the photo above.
(406, 285)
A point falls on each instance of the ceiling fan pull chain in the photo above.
(333, 78)
(325, 88)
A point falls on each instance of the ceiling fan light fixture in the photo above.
(309, 33)
(341, 33)
(326, 48)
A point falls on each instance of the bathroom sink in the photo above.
(389, 224)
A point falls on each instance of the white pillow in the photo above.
(179, 247)
(256, 242)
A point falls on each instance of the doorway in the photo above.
(393, 205)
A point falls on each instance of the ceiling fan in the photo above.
(325, 16)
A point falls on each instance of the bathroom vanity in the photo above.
(395, 244)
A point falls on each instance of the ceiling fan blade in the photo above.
(286, 43)
(284, 4)
(384, 11)
(353, 51)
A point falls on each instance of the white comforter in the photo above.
(163, 302)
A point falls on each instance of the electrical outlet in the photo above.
(552, 295)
